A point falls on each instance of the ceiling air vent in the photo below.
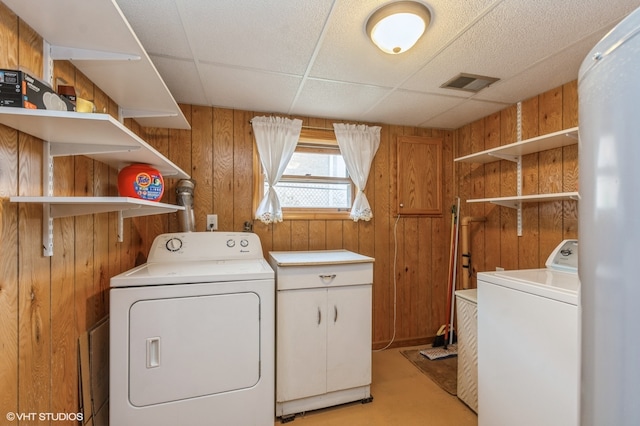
(469, 82)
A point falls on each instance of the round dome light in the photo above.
(396, 27)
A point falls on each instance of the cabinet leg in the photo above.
(287, 418)
(367, 400)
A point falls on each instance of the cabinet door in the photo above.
(301, 343)
(349, 337)
(419, 175)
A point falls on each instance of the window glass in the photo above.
(315, 180)
(315, 183)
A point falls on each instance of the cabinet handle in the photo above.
(327, 277)
(335, 313)
(319, 316)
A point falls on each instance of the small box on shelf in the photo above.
(21, 90)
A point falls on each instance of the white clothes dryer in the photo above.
(192, 334)
(528, 343)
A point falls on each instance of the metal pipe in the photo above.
(184, 197)
(466, 255)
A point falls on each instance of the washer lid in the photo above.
(206, 271)
(561, 286)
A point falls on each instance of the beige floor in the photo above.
(403, 396)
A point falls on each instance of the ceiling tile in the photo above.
(410, 108)
(552, 72)
(249, 90)
(255, 33)
(157, 25)
(466, 112)
(336, 100)
(183, 79)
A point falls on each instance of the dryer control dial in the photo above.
(244, 243)
(231, 243)
(174, 244)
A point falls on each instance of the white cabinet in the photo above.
(323, 329)
(467, 310)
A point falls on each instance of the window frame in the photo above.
(310, 140)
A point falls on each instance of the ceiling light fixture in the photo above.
(396, 27)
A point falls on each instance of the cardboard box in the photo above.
(19, 89)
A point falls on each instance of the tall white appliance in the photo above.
(609, 219)
(192, 334)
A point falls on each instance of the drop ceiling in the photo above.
(312, 57)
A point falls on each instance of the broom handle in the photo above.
(455, 266)
(450, 276)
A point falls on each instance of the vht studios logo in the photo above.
(45, 417)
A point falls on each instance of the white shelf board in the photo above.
(98, 136)
(540, 143)
(76, 206)
(515, 201)
(101, 27)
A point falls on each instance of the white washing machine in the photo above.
(192, 334)
(528, 343)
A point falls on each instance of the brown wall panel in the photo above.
(8, 231)
(544, 224)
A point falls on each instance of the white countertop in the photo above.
(317, 257)
(469, 294)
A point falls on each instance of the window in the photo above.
(315, 184)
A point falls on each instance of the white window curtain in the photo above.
(276, 139)
(358, 144)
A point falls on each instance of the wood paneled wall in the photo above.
(46, 303)
(222, 155)
(495, 243)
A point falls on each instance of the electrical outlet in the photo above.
(212, 222)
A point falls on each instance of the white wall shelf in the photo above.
(98, 136)
(514, 152)
(108, 52)
(516, 201)
(55, 207)
(77, 206)
(96, 37)
(529, 146)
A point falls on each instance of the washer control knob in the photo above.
(231, 243)
(174, 244)
(244, 242)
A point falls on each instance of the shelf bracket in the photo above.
(47, 185)
(76, 54)
(120, 226)
(512, 158)
(144, 113)
(511, 204)
(572, 135)
(63, 149)
(47, 63)
(519, 170)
